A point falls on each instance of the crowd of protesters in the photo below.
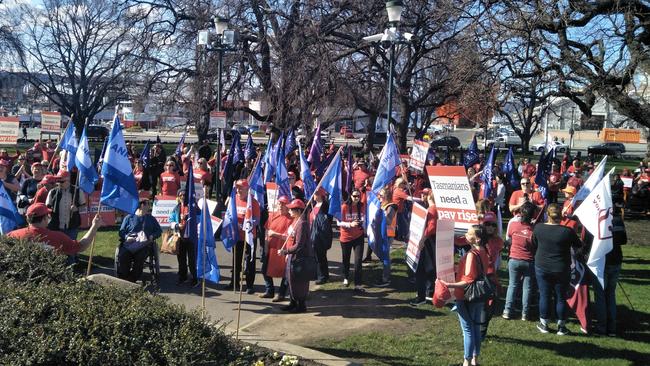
(543, 238)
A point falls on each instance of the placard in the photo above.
(162, 209)
(50, 122)
(272, 196)
(419, 154)
(9, 130)
(453, 195)
(416, 229)
(445, 250)
(217, 119)
(89, 211)
(627, 182)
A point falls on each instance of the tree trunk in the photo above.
(370, 130)
(403, 126)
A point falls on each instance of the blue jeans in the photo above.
(549, 283)
(517, 269)
(469, 315)
(605, 299)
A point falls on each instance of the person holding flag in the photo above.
(352, 237)
(276, 228)
(64, 201)
(186, 255)
(244, 251)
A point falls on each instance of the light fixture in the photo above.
(220, 24)
(394, 10)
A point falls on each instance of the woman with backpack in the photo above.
(472, 265)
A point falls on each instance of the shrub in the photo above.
(27, 261)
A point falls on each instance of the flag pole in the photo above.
(92, 244)
(241, 287)
(203, 224)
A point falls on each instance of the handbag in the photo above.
(481, 289)
(170, 242)
(304, 268)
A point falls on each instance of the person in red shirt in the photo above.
(352, 237)
(554, 182)
(138, 174)
(360, 174)
(471, 265)
(38, 218)
(521, 263)
(46, 184)
(170, 181)
(243, 250)
(276, 234)
(202, 173)
(567, 208)
(576, 180)
(525, 194)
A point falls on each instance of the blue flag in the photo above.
(249, 149)
(472, 155)
(191, 225)
(309, 185)
(331, 183)
(229, 168)
(229, 226)
(488, 175)
(145, 155)
(9, 216)
(324, 164)
(70, 143)
(206, 258)
(257, 184)
(87, 173)
(179, 147)
(282, 176)
(316, 150)
(269, 165)
(290, 144)
(376, 227)
(237, 154)
(118, 189)
(510, 169)
(389, 160)
(542, 175)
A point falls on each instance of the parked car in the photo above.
(451, 142)
(559, 146)
(504, 141)
(96, 132)
(607, 148)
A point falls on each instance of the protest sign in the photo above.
(627, 182)
(419, 153)
(162, 209)
(445, 250)
(272, 196)
(89, 211)
(416, 229)
(9, 130)
(453, 195)
(50, 122)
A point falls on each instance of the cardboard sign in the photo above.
(453, 195)
(217, 119)
(272, 196)
(89, 211)
(419, 154)
(50, 122)
(9, 130)
(445, 250)
(627, 182)
(162, 209)
(416, 229)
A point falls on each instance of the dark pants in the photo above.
(323, 269)
(130, 264)
(552, 197)
(249, 266)
(550, 283)
(347, 247)
(186, 255)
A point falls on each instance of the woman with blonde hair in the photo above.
(553, 266)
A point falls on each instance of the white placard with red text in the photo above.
(419, 153)
(445, 250)
(416, 230)
(9, 130)
(51, 122)
(162, 209)
(453, 195)
(272, 196)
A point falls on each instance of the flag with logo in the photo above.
(249, 149)
(10, 219)
(578, 296)
(257, 184)
(376, 227)
(249, 224)
(118, 188)
(69, 143)
(309, 185)
(389, 160)
(145, 155)
(472, 155)
(229, 226)
(331, 182)
(179, 147)
(87, 173)
(206, 259)
(541, 176)
(282, 175)
(488, 175)
(591, 182)
(595, 214)
(510, 169)
(191, 226)
(290, 144)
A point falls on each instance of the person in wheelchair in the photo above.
(137, 233)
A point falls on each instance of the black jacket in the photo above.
(321, 230)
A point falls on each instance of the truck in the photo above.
(504, 141)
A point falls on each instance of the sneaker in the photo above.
(505, 316)
(382, 284)
(524, 317)
(542, 327)
(346, 283)
(428, 299)
(266, 295)
(562, 330)
(417, 302)
(278, 298)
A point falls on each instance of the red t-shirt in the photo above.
(529, 170)
(494, 246)
(554, 181)
(431, 222)
(56, 239)
(241, 213)
(350, 214)
(202, 177)
(575, 182)
(399, 198)
(359, 176)
(474, 270)
(170, 183)
(535, 197)
(521, 246)
(138, 177)
(573, 224)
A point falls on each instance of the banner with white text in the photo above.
(416, 229)
(419, 153)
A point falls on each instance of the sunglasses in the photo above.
(525, 183)
(355, 196)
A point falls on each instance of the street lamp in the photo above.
(388, 39)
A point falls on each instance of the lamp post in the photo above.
(220, 40)
(389, 39)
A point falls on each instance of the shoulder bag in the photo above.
(481, 289)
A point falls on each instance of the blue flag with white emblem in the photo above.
(290, 144)
(229, 226)
(9, 216)
(87, 173)
(69, 143)
(191, 226)
(249, 149)
(309, 185)
(118, 189)
(331, 182)
(282, 176)
(257, 184)
(389, 160)
(376, 227)
(472, 155)
(488, 175)
(145, 155)
(206, 258)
